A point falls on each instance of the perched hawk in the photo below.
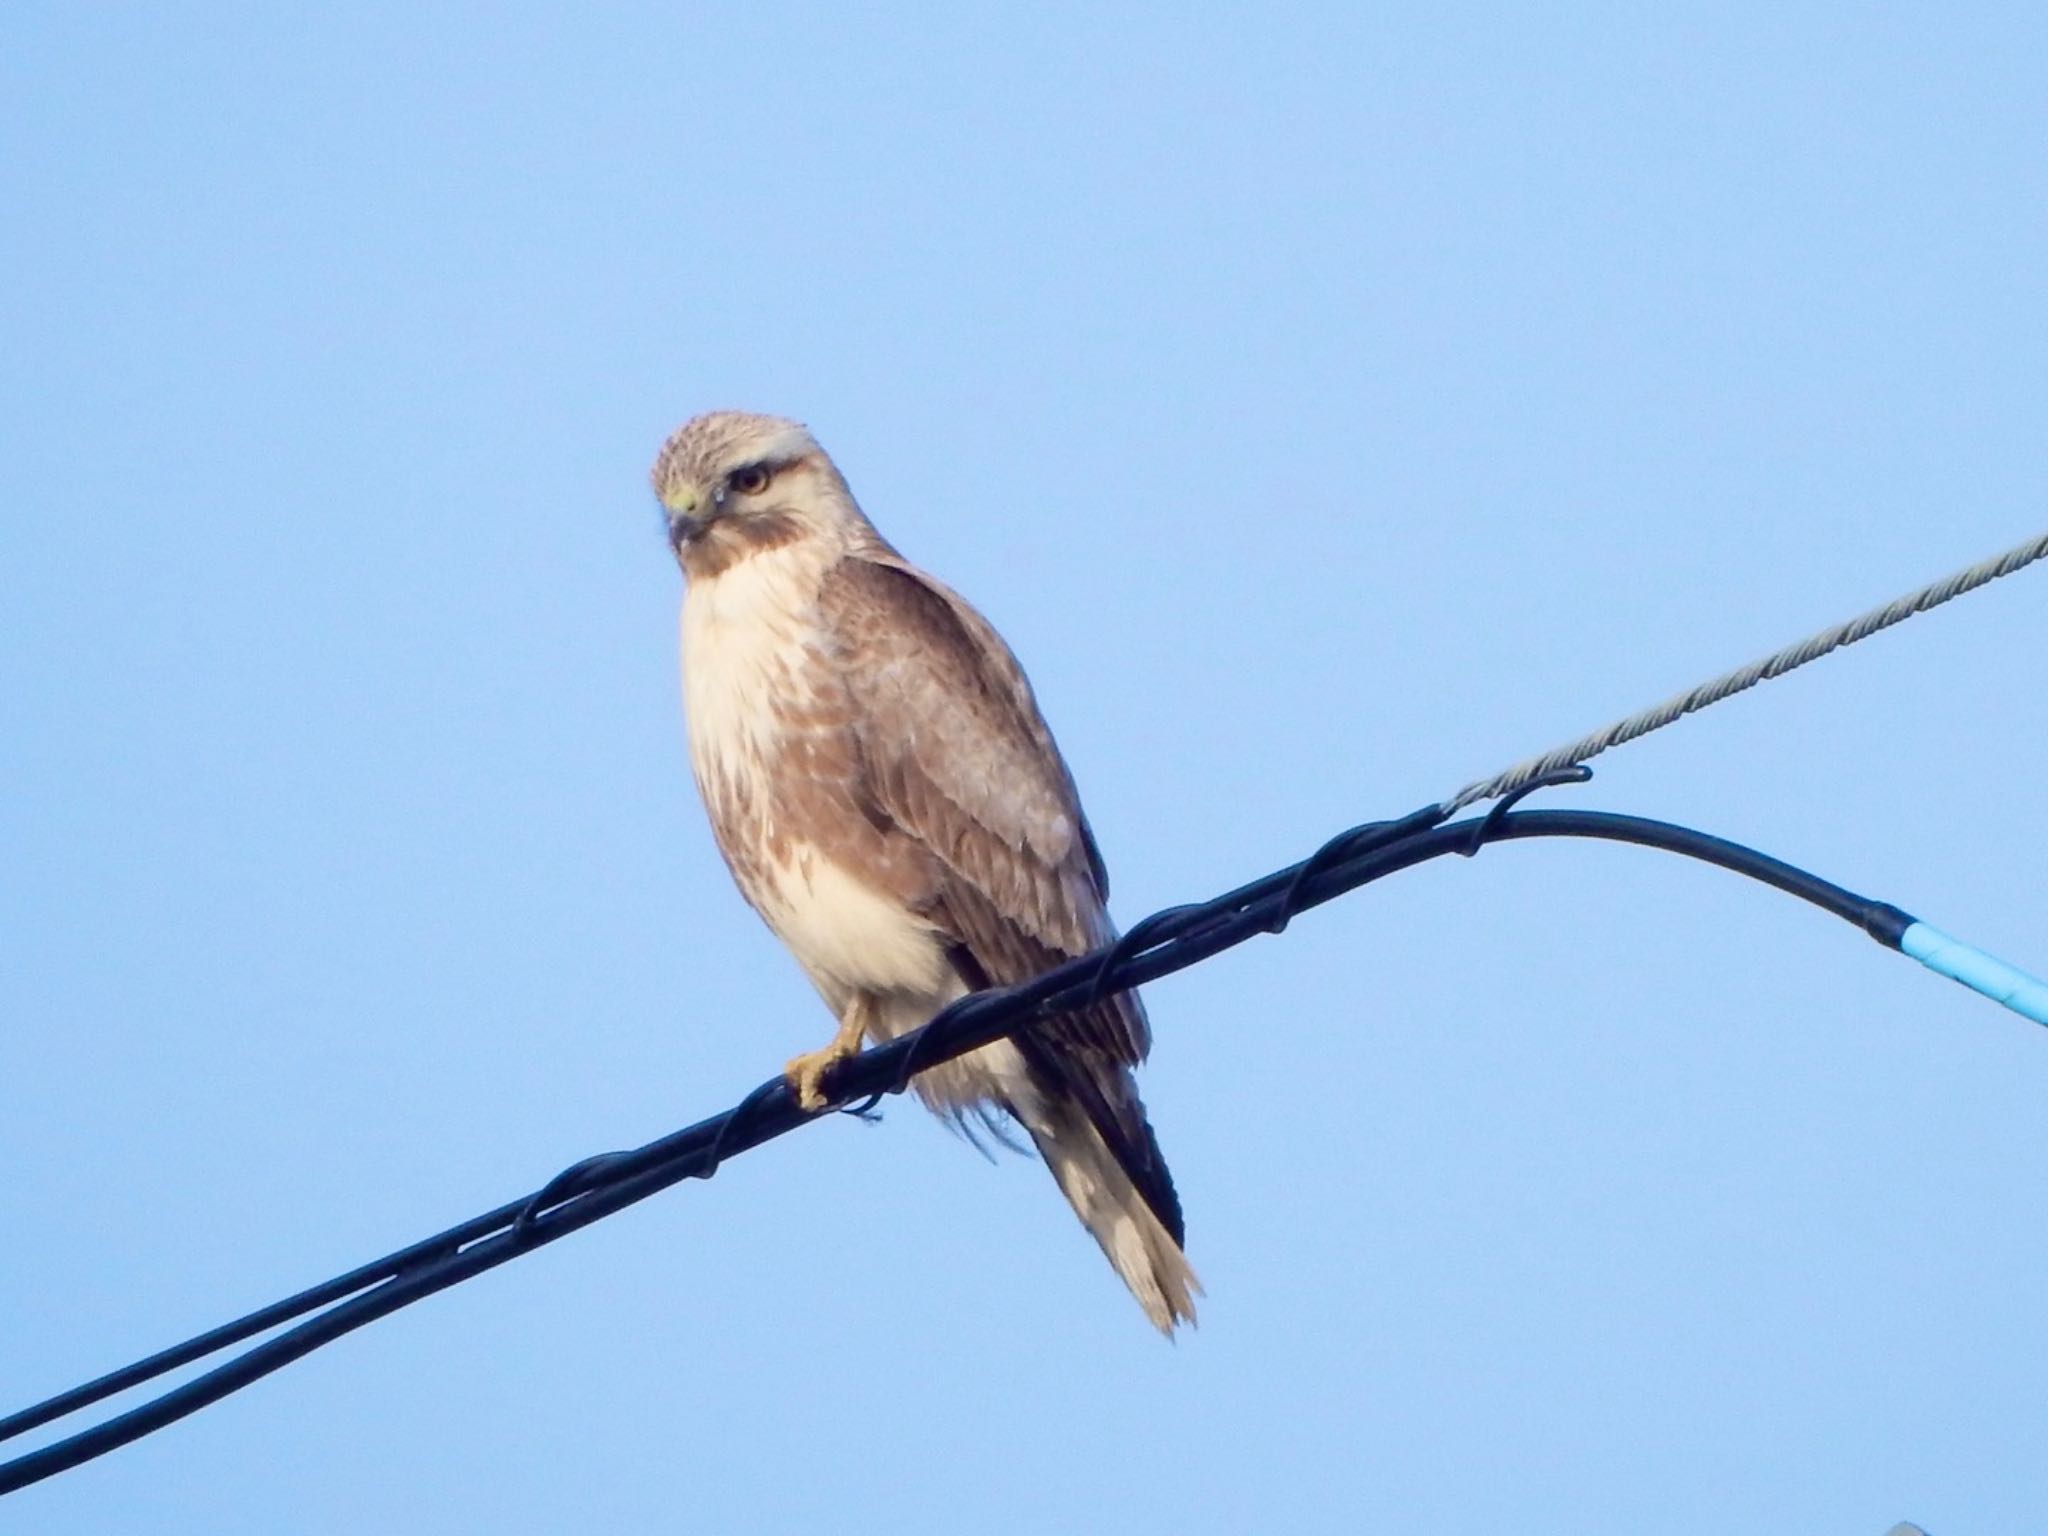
(887, 796)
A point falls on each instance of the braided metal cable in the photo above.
(1775, 665)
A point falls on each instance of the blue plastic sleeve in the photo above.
(1980, 972)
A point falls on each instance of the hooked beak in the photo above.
(688, 516)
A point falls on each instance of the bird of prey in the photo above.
(889, 799)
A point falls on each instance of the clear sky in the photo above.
(1331, 406)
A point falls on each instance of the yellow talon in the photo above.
(806, 1073)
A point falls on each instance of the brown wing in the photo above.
(954, 752)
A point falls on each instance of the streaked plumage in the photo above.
(888, 798)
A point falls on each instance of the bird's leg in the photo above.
(807, 1071)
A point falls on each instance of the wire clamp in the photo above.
(1488, 826)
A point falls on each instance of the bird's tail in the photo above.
(1117, 1215)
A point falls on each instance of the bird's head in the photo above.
(733, 484)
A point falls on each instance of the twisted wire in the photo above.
(1165, 942)
(1777, 664)
(596, 1187)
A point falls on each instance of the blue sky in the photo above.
(1331, 406)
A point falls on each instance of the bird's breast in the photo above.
(773, 749)
(757, 672)
(752, 650)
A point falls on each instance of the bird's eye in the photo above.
(752, 480)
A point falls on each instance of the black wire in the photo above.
(1163, 943)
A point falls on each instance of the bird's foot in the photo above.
(806, 1073)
